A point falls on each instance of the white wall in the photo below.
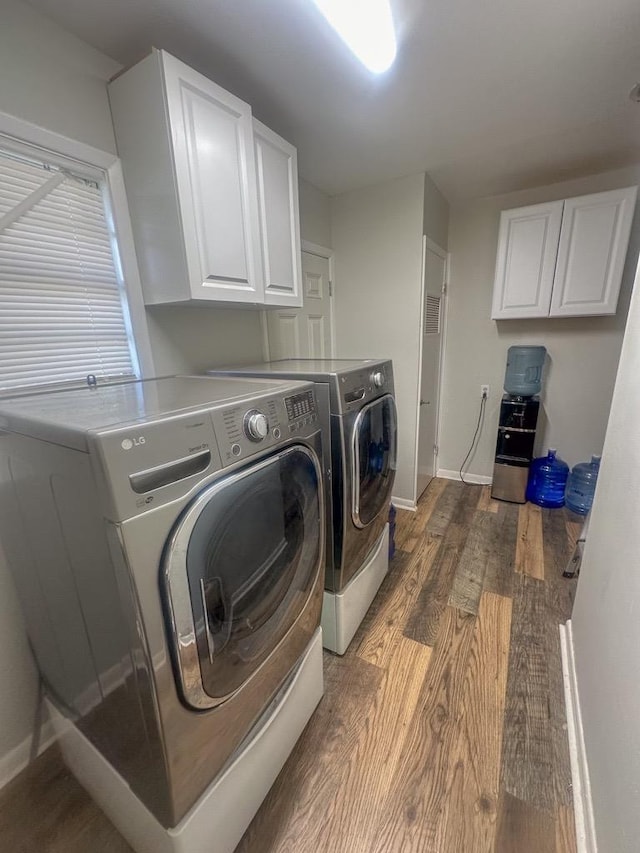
(377, 239)
(187, 340)
(606, 627)
(583, 353)
(435, 214)
(53, 79)
(315, 215)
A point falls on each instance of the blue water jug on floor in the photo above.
(581, 486)
(547, 480)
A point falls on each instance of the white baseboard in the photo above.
(476, 479)
(17, 758)
(582, 804)
(404, 503)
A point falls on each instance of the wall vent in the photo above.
(432, 315)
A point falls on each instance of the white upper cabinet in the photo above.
(197, 209)
(563, 259)
(591, 254)
(277, 175)
(527, 248)
(212, 139)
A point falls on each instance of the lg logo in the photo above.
(128, 443)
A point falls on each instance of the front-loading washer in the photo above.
(167, 541)
(358, 414)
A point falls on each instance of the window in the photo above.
(63, 310)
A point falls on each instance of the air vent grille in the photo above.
(432, 315)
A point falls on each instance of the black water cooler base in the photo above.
(514, 448)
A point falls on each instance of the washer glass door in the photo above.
(374, 459)
(240, 567)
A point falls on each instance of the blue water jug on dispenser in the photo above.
(523, 376)
(547, 480)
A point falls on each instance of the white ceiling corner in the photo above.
(487, 97)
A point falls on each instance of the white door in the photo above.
(304, 332)
(434, 271)
(526, 260)
(592, 252)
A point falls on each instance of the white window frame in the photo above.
(20, 135)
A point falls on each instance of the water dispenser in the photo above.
(518, 422)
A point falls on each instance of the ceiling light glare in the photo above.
(366, 27)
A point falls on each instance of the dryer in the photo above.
(167, 541)
(358, 414)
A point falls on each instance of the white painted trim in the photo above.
(19, 130)
(423, 274)
(475, 479)
(444, 306)
(434, 247)
(582, 802)
(129, 263)
(14, 761)
(404, 503)
(316, 249)
(325, 252)
(427, 243)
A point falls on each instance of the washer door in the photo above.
(238, 570)
(374, 459)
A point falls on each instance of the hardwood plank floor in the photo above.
(529, 547)
(442, 729)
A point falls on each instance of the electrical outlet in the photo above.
(484, 391)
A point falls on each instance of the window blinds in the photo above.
(61, 304)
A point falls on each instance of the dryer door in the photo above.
(374, 459)
(239, 568)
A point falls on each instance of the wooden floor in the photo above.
(442, 730)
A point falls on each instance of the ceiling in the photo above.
(487, 97)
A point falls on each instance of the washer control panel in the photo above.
(243, 431)
(377, 377)
(358, 387)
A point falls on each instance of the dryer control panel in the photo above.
(242, 431)
(147, 464)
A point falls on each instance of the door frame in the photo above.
(428, 243)
(321, 252)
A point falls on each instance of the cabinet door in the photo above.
(592, 251)
(527, 247)
(277, 177)
(212, 138)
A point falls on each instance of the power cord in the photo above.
(476, 434)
